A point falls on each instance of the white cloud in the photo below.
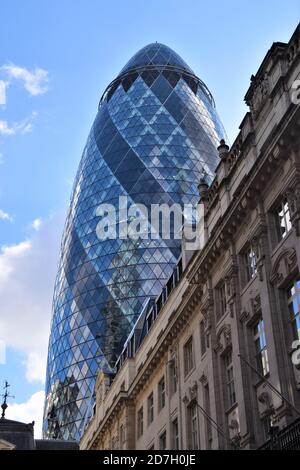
(2, 93)
(27, 274)
(4, 215)
(10, 257)
(35, 81)
(1, 158)
(27, 128)
(24, 127)
(32, 410)
(35, 368)
(5, 129)
(36, 224)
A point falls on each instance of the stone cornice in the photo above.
(110, 414)
(177, 322)
(265, 91)
(274, 150)
(287, 53)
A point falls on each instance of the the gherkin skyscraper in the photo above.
(154, 136)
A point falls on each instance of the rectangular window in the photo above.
(251, 258)
(161, 394)
(221, 301)
(293, 295)
(173, 377)
(150, 409)
(149, 320)
(202, 338)
(231, 397)
(261, 352)
(188, 354)
(163, 441)
(175, 434)
(140, 422)
(193, 426)
(283, 219)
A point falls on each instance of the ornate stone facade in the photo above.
(190, 384)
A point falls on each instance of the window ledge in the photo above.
(188, 375)
(260, 381)
(231, 409)
(249, 283)
(222, 318)
(281, 243)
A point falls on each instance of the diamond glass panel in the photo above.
(154, 136)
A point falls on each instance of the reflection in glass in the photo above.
(154, 136)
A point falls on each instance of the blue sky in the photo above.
(56, 59)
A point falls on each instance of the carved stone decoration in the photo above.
(207, 309)
(260, 94)
(193, 390)
(207, 321)
(186, 400)
(256, 304)
(231, 279)
(203, 379)
(258, 246)
(191, 395)
(231, 308)
(268, 407)
(265, 398)
(284, 265)
(115, 443)
(234, 427)
(223, 340)
(227, 336)
(230, 285)
(244, 316)
(259, 266)
(102, 385)
(198, 279)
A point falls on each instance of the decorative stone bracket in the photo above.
(223, 340)
(244, 316)
(260, 95)
(191, 395)
(231, 281)
(284, 266)
(256, 305)
(267, 408)
(207, 309)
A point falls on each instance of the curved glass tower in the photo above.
(154, 136)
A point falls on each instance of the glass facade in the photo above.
(154, 136)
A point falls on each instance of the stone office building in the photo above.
(213, 363)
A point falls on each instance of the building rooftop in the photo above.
(156, 54)
(20, 436)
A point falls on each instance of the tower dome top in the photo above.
(155, 54)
